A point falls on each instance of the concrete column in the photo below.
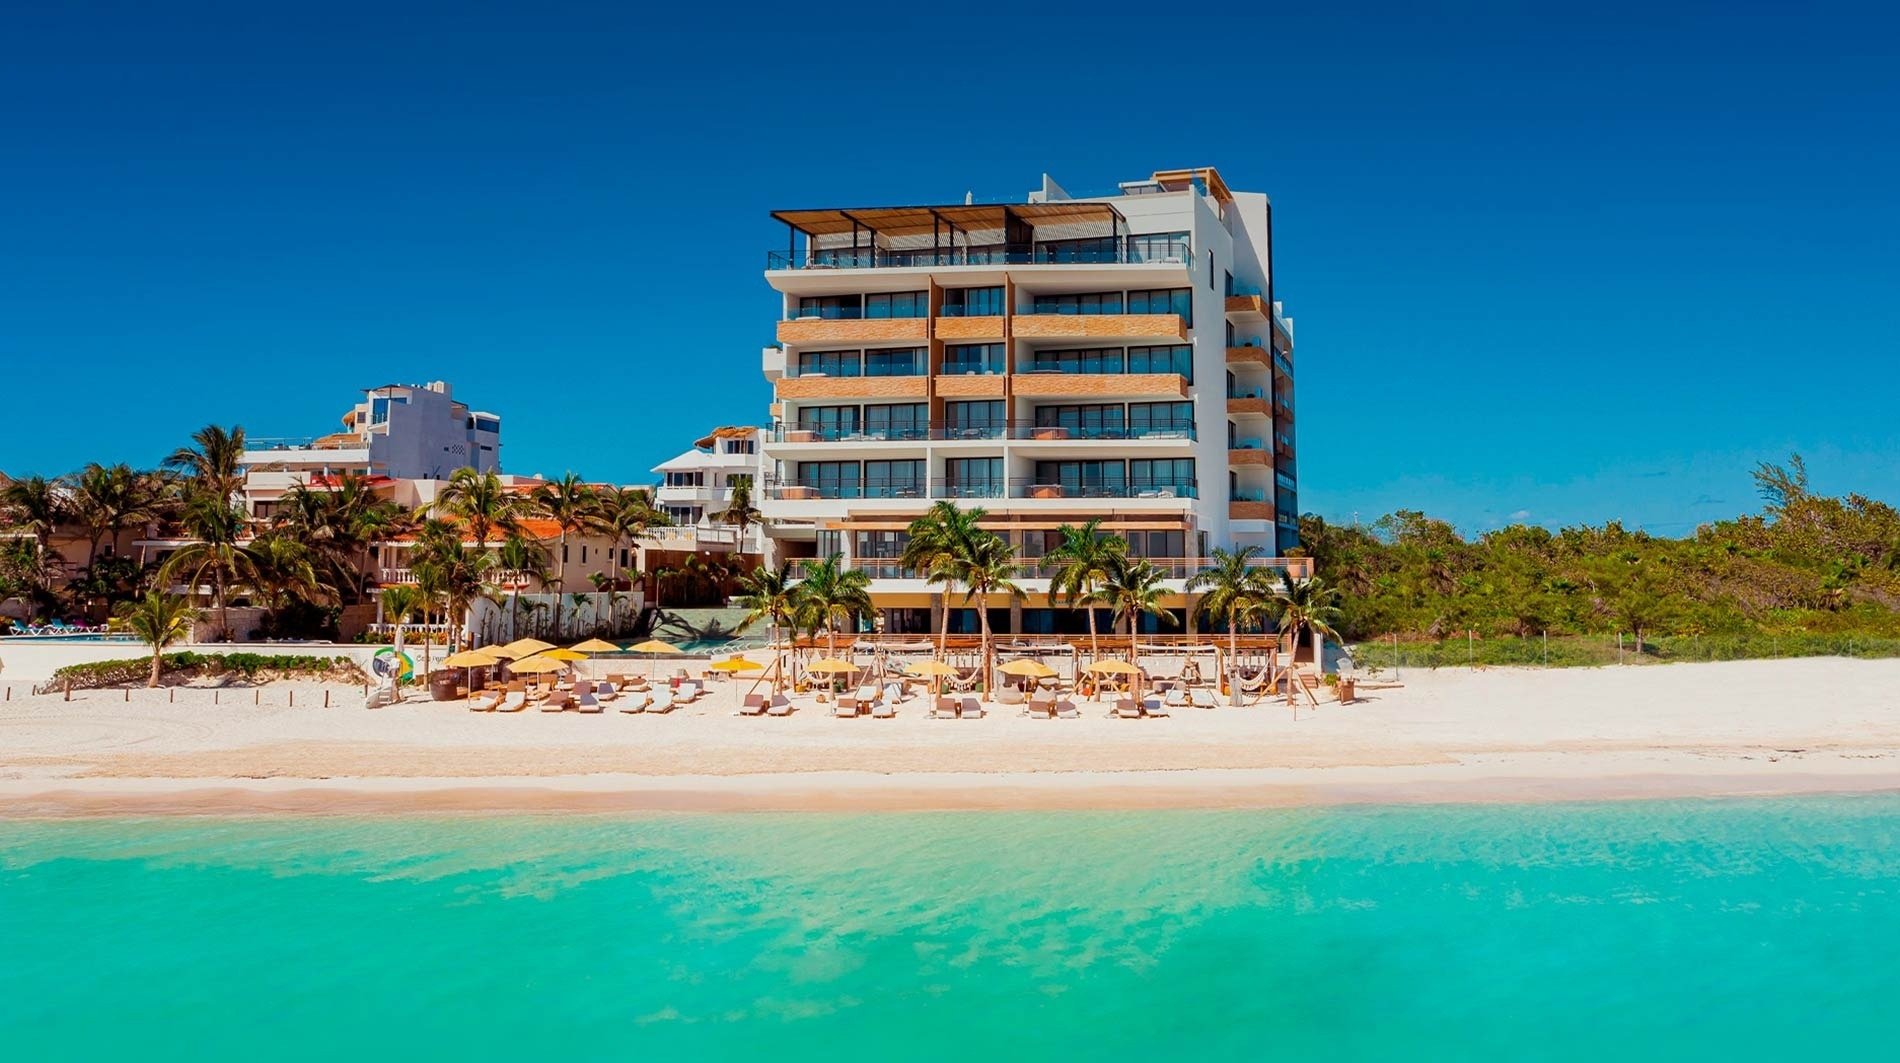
(1015, 616)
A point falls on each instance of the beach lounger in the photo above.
(860, 698)
(893, 692)
(779, 706)
(635, 703)
(1066, 710)
(513, 701)
(1176, 698)
(1127, 709)
(1040, 708)
(1201, 698)
(586, 702)
(1152, 706)
(754, 705)
(688, 693)
(884, 708)
(606, 691)
(1009, 695)
(971, 709)
(557, 701)
(663, 702)
(945, 709)
(845, 707)
(485, 700)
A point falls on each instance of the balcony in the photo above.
(1250, 354)
(1014, 487)
(1099, 327)
(969, 385)
(815, 386)
(992, 255)
(1249, 452)
(958, 328)
(1283, 445)
(1249, 308)
(1032, 488)
(941, 432)
(1173, 568)
(1057, 385)
(1248, 403)
(1243, 509)
(809, 330)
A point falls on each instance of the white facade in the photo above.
(1065, 358)
(698, 483)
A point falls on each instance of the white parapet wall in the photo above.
(33, 661)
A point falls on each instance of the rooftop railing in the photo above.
(1025, 487)
(991, 255)
(1018, 430)
(1031, 568)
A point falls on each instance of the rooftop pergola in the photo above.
(944, 229)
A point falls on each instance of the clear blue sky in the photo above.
(1557, 266)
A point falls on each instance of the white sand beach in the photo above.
(1778, 726)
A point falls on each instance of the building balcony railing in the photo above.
(1013, 487)
(1148, 253)
(1177, 568)
(1017, 430)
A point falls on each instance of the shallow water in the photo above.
(1745, 929)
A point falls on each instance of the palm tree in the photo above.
(214, 556)
(769, 595)
(1311, 605)
(1133, 587)
(481, 501)
(36, 505)
(573, 505)
(160, 619)
(212, 464)
(830, 594)
(281, 571)
(1237, 592)
(340, 523)
(452, 573)
(939, 545)
(107, 500)
(739, 511)
(525, 558)
(628, 514)
(1082, 562)
(400, 602)
(989, 568)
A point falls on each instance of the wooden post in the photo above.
(293, 699)
(171, 695)
(326, 697)
(69, 690)
(128, 695)
(214, 695)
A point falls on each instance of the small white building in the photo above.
(698, 484)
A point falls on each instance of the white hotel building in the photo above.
(1118, 356)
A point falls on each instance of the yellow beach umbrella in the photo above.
(736, 664)
(470, 659)
(520, 648)
(595, 646)
(564, 655)
(538, 665)
(1033, 669)
(930, 668)
(1115, 667)
(654, 646)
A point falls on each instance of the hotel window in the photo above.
(974, 477)
(1230, 282)
(894, 479)
(1158, 247)
(975, 420)
(1163, 301)
(685, 479)
(831, 307)
(1039, 541)
(898, 361)
(1148, 474)
(487, 424)
(742, 446)
(973, 302)
(1157, 543)
(1084, 360)
(985, 359)
(1176, 358)
(829, 422)
(1085, 479)
(909, 420)
(830, 363)
(897, 304)
(1093, 249)
(1091, 421)
(1082, 303)
(1160, 418)
(831, 479)
(881, 545)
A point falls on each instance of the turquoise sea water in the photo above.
(1738, 930)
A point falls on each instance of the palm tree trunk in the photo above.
(1095, 648)
(943, 635)
(156, 652)
(560, 577)
(983, 626)
(1134, 653)
(1233, 660)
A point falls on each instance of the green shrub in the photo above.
(187, 664)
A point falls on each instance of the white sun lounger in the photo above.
(780, 706)
(513, 701)
(586, 702)
(1201, 698)
(484, 700)
(1152, 707)
(971, 709)
(663, 701)
(754, 705)
(884, 708)
(1066, 710)
(636, 703)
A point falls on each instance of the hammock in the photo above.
(958, 682)
(1255, 683)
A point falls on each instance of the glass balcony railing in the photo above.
(989, 255)
(1013, 487)
(1022, 430)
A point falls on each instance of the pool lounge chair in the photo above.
(845, 708)
(780, 705)
(1040, 708)
(971, 709)
(635, 703)
(1176, 698)
(485, 700)
(688, 693)
(606, 691)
